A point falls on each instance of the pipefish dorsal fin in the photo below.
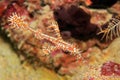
(54, 28)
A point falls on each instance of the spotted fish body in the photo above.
(17, 22)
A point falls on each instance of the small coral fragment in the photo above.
(110, 68)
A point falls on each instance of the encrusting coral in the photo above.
(32, 29)
(36, 38)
